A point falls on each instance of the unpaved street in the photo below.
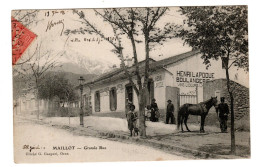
(48, 144)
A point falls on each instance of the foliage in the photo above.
(56, 86)
(219, 32)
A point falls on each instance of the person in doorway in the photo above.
(222, 112)
(129, 103)
(170, 112)
(154, 111)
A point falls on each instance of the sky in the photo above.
(51, 25)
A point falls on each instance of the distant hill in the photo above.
(72, 68)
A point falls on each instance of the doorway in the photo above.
(97, 101)
(129, 96)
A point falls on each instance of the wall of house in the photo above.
(28, 105)
(191, 72)
(161, 80)
(241, 99)
(240, 93)
(104, 95)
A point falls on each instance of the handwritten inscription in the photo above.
(30, 148)
(94, 39)
(53, 12)
(52, 24)
(58, 150)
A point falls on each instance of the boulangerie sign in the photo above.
(146, 61)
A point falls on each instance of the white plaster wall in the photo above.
(120, 100)
(195, 64)
(159, 95)
(104, 96)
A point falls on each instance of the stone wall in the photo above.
(240, 93)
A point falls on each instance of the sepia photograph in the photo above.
(130, 84)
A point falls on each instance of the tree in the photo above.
(37, 67)
(132, 23)
(56, 86)
(219, 33)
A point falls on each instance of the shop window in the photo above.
(97, 101)
(113, 99)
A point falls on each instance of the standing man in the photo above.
(222, 112)
(170, 112)
(154, 109)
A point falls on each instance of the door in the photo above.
(113, 99)
(97, 101)
(129, 95)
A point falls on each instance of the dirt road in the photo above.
(39, 143)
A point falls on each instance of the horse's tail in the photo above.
(179, 117)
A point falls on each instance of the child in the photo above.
(147, 112)
(132, 120)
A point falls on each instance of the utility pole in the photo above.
(81, 115)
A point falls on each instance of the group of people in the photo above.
(152, 113)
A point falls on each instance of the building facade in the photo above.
(179, 78)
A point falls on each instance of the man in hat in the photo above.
(154, 109)
(222, 112)
(170, 112)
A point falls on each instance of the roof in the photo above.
(154, 65)
(174, 59)
(118, 71)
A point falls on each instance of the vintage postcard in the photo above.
(130, 84)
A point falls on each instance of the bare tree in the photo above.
(127, 22)
(27, 17)
(36, 69)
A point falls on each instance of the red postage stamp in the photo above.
(21, 39)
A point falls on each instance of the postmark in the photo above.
(22, 37)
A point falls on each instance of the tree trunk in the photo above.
(37, 100)
(141, 114)
(141, 96)
(232, 131)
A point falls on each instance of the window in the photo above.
(97, 101)
(113, 99)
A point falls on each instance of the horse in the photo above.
(201, 109)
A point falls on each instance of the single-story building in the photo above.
(179, 78)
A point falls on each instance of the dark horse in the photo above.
(201, 109)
